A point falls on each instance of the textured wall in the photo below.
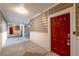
(77, 19)
(39, 31)
(40, 23)
(60, 7)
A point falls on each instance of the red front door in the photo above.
(60, 34)
(11, 30)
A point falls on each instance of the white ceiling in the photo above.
(33, 8)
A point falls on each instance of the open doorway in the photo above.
(14, 30)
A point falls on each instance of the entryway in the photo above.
(60, 34)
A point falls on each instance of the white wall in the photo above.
(0, 41)
(0, 31)
(41, 39)
(4, 32)
(77, 46)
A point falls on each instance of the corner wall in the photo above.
(0, 31)
(4, 32)
(3, 29)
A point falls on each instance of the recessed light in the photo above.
(21, 10)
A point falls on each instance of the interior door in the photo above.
(60, 34)
(11, 30)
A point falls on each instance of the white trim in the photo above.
(70, 10)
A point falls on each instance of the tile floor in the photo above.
(15, 40)
(28, 47)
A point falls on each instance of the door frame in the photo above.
(70, 10)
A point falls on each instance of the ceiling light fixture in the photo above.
(21, 10)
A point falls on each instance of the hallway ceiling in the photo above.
(33, 8)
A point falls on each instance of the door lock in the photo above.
(68, 39)
(68, 36)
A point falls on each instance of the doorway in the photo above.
(60, 34)
(11, 30)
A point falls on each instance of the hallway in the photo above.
(39, 29)
(25, 49)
